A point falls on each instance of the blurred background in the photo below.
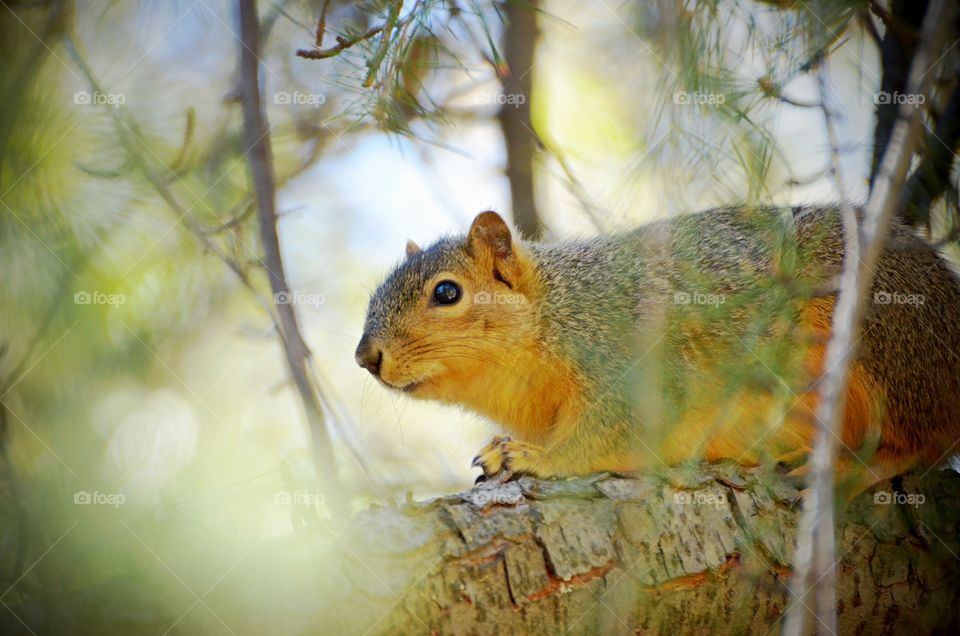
(157, 461)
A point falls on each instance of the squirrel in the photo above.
(700, 337)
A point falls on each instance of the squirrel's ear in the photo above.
(412, 248)
(490, 234)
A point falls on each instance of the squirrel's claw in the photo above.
(507, 456)
(490, 458)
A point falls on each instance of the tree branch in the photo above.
(606, 555)
(260, 161)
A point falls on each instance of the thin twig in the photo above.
(234, 220)
(322, 24)
(177, 164)
(373, 64)
(814, 558)
(342, 45)
(870, 27)
(815, 537)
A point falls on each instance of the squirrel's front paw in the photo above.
(509, 455)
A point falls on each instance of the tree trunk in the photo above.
(612, 555)
(519, 43)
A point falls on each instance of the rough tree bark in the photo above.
(613, 555)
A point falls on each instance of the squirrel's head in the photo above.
(452, 312)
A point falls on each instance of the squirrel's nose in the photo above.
(368, 356)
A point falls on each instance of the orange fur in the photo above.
(864, 398)
(743, 429)
(533, 395)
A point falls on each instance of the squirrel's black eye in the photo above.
(446, 292)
